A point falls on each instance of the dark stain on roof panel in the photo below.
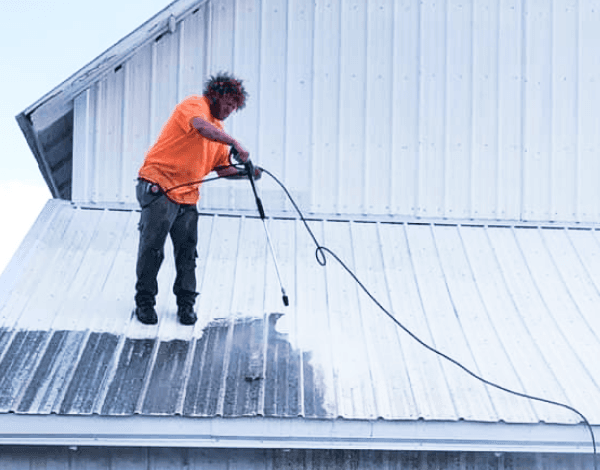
(205, 378)
(167, 378)
(128, 381)
(283, 375)
(18, 364)
(244, 375)
(5, 335)
(57, 364)
(90, 374)
(313, 389)
(238, 367)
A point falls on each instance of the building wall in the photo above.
(99, 458)
(456, 109)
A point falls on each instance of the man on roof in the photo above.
(191, 144)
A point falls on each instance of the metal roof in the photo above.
(516, 304)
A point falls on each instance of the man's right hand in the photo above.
(231, 172)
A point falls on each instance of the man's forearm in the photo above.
(206, 129)
(227, 171)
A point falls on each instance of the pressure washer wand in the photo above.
(250, 170)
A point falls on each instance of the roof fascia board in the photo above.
(59, 100)
(31, 137)
(285, 433)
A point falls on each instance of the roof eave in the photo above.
(292, 433)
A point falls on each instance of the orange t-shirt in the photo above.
(181, 155)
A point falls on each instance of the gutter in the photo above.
(292, 433)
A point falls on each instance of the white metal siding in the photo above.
(456, 109)
(59, 458)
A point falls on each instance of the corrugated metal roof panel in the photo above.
(128, 380)
(91, 372)
(165, 384)
(46, 389)
(18, 364)
(514, 304)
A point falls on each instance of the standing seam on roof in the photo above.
(473, 366)
(425, 318)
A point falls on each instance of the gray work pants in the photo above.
(161, 217)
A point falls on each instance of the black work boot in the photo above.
(146, 314)
(186, 314)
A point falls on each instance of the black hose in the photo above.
(322, 260)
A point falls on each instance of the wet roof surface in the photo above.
(515, 304)
(228, 371)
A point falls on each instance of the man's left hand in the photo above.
(257, 173)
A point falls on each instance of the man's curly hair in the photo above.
(225, 84)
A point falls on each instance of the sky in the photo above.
(42, 43)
